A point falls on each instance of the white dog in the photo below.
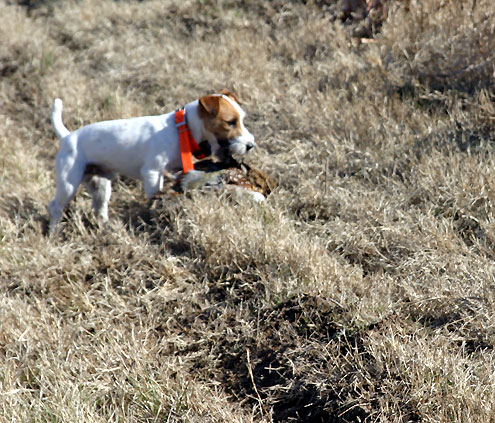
(141, 148)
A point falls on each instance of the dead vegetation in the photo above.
(362, 290)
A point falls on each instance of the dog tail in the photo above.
(56, 117)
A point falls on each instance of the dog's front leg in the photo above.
(152, 181)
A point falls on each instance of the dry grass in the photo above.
(362, 290)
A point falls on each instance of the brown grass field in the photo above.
(362, 290)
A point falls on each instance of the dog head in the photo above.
(223, 120)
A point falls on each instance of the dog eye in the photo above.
(232, 122)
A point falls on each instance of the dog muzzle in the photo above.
(237, 146)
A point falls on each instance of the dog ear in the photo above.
(209, 105)
(233, 96)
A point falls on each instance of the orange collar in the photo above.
(188, 144)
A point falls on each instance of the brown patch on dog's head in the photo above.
(223, 120)
(220, 116)
(231, 95)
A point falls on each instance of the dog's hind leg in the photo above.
(70, 172)
(100, 189)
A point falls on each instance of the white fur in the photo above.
(141, 148)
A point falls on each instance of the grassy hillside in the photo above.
(363, 289)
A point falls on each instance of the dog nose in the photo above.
(249, 146)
